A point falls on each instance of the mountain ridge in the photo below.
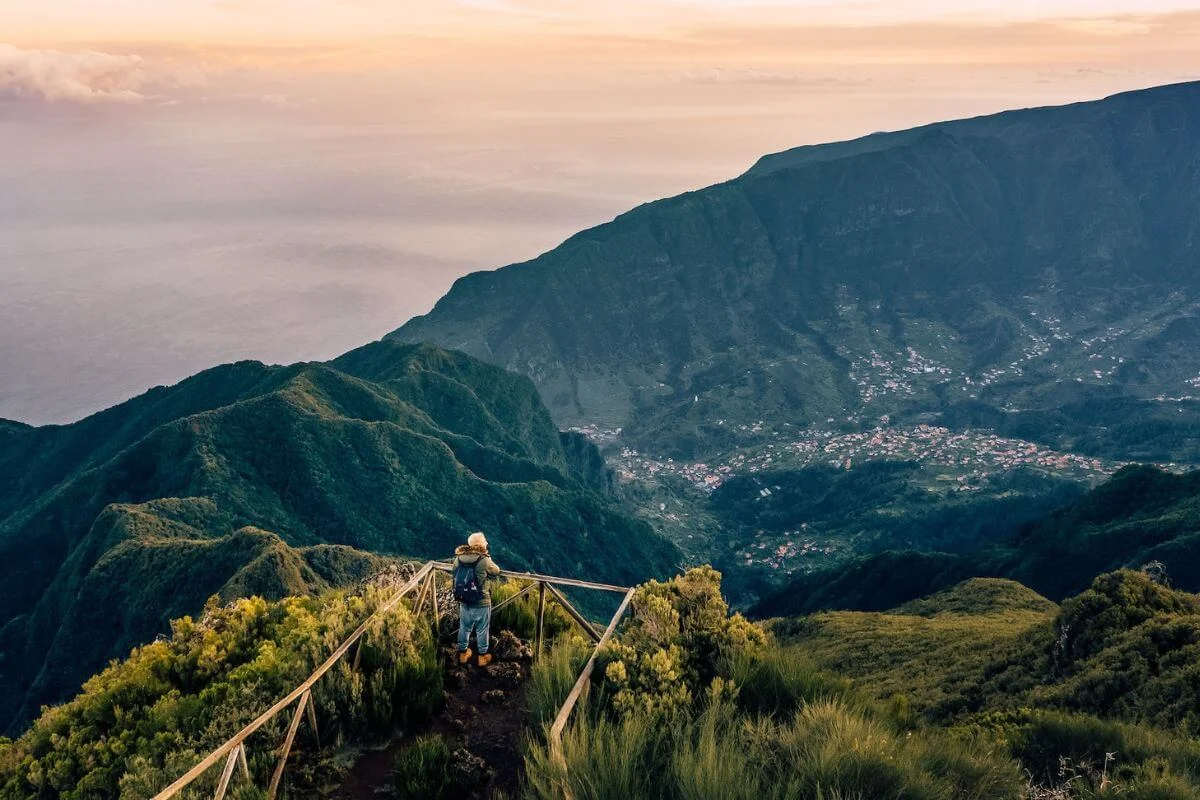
(243, 479)
(941, 269)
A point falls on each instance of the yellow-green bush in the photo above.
(674, 646)
(142, 722)
(696, 704)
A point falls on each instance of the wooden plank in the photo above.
(420, 601)
(580, 618)
(539, 631)
(533, 576)
(226, 773)
(358, 653)
(524, 591)
(242, 761)
(564, 713)
(222, 751)
(277, 776)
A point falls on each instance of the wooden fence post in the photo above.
(420, 601)
(437, 612)
(358, 653)
(227, 773)
(311, 710)
(242, 760)
(287, 746)
(538, 632)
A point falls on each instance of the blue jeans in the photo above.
(474, 618)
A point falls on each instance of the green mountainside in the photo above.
(1125, 648)
(250, 479)
(1033, 272)
(1142, 515)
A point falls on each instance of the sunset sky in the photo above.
(193, 181)
(258, 21)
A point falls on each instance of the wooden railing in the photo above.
(233, 751)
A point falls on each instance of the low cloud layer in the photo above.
(86, 77)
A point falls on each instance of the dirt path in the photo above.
(484, 713)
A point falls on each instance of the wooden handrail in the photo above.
(533, 576)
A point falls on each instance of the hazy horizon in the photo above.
(173, 203)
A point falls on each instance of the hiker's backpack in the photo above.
(466, 584)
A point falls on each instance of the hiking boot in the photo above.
(485, 659)
(464, 656)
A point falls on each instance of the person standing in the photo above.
(473, 569)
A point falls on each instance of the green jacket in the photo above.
(484, 568)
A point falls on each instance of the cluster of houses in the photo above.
(876, 375)
(780, 555)
(975, 454)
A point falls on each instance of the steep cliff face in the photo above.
(1028, 259)
(277, 481)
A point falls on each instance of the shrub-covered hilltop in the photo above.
(1104, 688)
(142, 723)
(253, 479)
(986, 691)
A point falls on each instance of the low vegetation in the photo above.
(985, 691)
(1097, 695)
(428, 770)
(690, 702)
(142, 722)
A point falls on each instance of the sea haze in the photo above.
(138, 246)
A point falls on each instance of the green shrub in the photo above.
(552, 676)
(426, 770)
(520, 616)
(826, 749)
(602, 759)
(677, 642)
(1048, 739)
(778, 681)
(1115, 603)
(697, 704)
(705, 767)
(1094, 756)
(1155, 780)
(142, 722)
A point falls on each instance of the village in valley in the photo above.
(673, 492)
(973, 454)
(955, 464)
